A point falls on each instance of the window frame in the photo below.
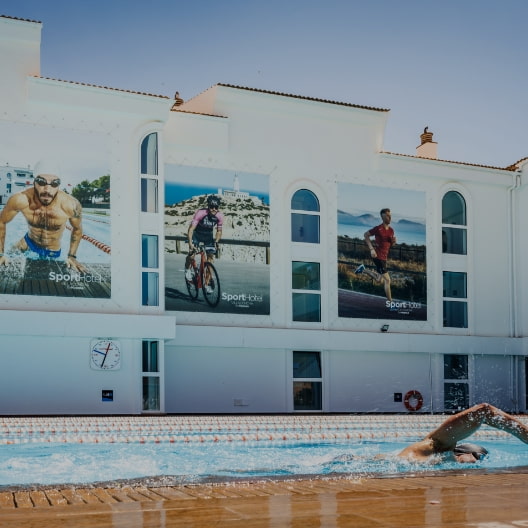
(156, 376)
(308, 380)
(307, 292)
(151, 208)
(299, 214)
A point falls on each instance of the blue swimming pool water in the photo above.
(62, 463)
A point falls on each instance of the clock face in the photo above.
(105, 355)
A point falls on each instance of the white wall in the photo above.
(50, 375)
(209, 380)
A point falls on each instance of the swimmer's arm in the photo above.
(465, 423)
(75, 238)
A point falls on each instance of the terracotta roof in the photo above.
(515, 166)
(303, 97)
(103, 87)
(511, 168)
(176, 109)
(22, 19)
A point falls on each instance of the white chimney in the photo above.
(428, 147)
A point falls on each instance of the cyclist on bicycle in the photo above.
(202, 229)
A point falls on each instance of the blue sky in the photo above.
(457, 66)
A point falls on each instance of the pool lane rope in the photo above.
(178, 430)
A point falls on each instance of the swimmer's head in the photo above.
(465, 453)
(46, 167)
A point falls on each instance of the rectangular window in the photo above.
(455, 311)
(306, 306)
(307, 395)
(455, 284)
(307, 381)
(454, 240)
(150, 356)
(455, 366)
(149, 251)
(151, 393)
(150, 288)
(306, 364)
(149, 195)
(305, 228)
(306, 276)
(456, 396)
(455, 314)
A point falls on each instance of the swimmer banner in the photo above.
(243, 257)
(391, 289)
(54, 213)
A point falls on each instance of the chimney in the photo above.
(178, 101)
(428, 147)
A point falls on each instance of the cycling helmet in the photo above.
(213, 201)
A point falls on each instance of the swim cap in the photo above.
(477, 451)
(46, 167)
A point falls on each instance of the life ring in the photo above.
(417, 402)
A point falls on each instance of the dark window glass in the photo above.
(306, 307)
(305, 200)
(306, 276)
(150, 287)
(149, 154)
(307, 395)
(455, 366)
(454, 240)
(306, 364)
(455, 314)
(305, 228)
(456, 396)
(453, 209)
(149, 195)
(150, 356)
(455, 284)
(151, 393)
(149, 251)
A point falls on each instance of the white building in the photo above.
(295, 329)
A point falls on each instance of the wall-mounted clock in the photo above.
(105, 354)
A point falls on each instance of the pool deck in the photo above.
(452, 499)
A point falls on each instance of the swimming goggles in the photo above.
(42, 182)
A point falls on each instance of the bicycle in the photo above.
(204, 277)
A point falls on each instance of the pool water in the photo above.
(191, 462)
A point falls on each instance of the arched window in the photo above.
(454, 241)
(149, 154)
(454, 229)
(305, 217)
(149, 204)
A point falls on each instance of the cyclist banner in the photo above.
(217, 241)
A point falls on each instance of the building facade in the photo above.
(293, 322)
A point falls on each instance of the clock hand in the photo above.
(105, 355)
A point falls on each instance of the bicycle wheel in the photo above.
(192, 287)
(211, 291)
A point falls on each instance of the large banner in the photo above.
(381, 253)
(229, 213)
(54, 212)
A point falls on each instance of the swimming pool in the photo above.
(69, 450)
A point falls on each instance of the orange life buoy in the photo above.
(416, 403)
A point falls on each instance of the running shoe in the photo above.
(209, 289)
(360, 269)
(188, 275)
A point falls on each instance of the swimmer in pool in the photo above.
(47, 210)
(443, 440)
